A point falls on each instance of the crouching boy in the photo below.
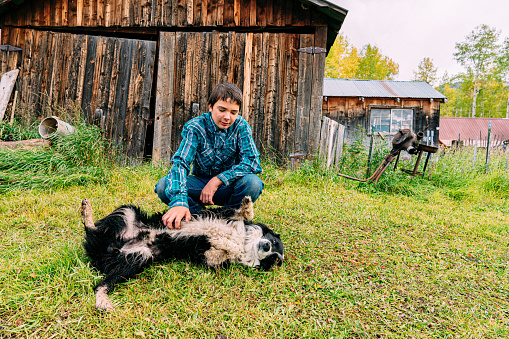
(224, 160)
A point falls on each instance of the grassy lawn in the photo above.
(360, 263)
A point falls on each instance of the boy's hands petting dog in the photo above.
(174, 216)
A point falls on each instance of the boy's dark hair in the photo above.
(225, 91)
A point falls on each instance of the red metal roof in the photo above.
(470, 128)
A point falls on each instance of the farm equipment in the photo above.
(405, 140)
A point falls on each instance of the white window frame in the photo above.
(391, 126)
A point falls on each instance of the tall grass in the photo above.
(80, 158)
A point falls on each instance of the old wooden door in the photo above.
(109, 78)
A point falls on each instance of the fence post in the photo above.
(370, 156)
(475, 151)
(488, 148)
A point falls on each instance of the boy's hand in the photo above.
(209, 190)
(175, 216)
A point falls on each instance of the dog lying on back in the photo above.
(126, 241)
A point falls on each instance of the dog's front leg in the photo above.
(102, 301)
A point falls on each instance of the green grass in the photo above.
(408, 258)
(359, 264)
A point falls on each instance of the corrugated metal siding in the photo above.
(380, 89)
(470, 128)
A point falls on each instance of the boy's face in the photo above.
(224, 113)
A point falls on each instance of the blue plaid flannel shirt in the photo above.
(228, 154)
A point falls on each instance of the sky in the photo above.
(408, 31)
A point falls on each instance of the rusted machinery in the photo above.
(406, 140)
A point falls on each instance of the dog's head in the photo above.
(266, 247)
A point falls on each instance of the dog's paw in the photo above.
(246, 210)
(87, 215)
(102, 301)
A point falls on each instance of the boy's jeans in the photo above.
(231, 195)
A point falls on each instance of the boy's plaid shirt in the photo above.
(228, 154)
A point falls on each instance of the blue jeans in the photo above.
(230, 195)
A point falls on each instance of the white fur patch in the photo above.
(132, 227)
(137, 248)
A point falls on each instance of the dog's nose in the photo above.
(266, 247)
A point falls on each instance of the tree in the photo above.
(479, 55)
(344, 61)
(374, 65)
(426, 71)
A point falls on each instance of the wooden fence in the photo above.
(331, 141)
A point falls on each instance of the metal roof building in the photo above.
(468, 129)
(380, 89)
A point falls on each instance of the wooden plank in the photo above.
(76, 63)
(320, 40)
(109, 109)
(211, 18)
(162, 144)
(181, 12)
(72, 13)
(204, 12)
(79, 12)
(122, 91)
(236, 12)
(229, 13)
(51, 52)
(178, 92)
(105, 80)
(89, 75)
(65, 12)
(246, 88)
(303, 96)
(166, 13)
(132, 97)
(261, 13)
(220, 13)
(204, 83)
(146, 12)
(272, 119)
(56, 13)
(47, 13)
(100, 13)
(7, 82)
(245, 12)
(26, 64)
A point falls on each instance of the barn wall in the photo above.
(163, 13)
(96, 73)
(354, 113)
(75, 50)
(280, 86)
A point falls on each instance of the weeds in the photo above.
(79, 158)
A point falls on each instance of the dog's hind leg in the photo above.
(121, 268)
(245, 212)
(87, 215)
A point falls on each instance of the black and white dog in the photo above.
(126, 241)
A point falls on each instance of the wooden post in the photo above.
(370, 156)
(475, 151)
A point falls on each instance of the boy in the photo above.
(225, 160)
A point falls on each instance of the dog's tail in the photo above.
(87, 216)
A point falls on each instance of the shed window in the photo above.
(390, 121)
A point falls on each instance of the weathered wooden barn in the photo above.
(388, 105)
(141, 69)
